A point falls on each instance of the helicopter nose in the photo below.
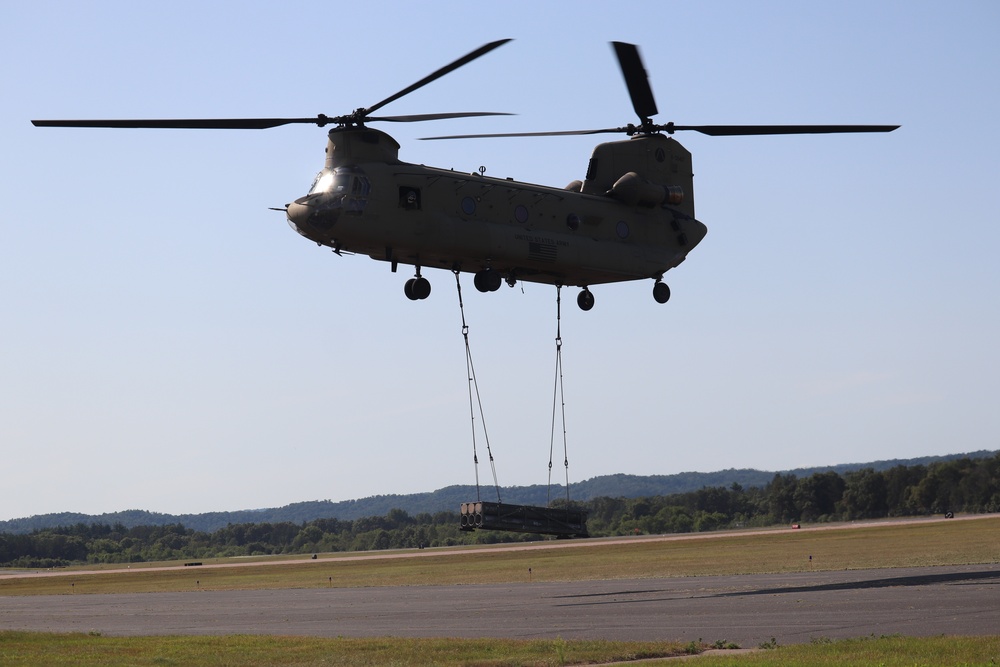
(313, 217)
(298, 214)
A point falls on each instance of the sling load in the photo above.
(488, 515)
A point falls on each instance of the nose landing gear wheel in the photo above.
(661, 292)
(585, 299)
(416, 289)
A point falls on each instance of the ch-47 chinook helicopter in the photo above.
(632, 217)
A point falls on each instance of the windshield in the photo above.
(341, 181)
(324, 182)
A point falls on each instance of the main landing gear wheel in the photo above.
(661, 292)
(417, 288)
(585, 299)
(487, 280)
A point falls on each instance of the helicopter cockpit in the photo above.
(344, 189)
(341, 181)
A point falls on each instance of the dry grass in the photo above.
(79, 650)
(887, 545)
(36, 648)
(891, 651)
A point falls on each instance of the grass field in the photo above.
(22, 649)
(908, 544)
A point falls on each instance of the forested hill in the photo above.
(450, 498)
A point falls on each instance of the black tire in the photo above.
(661, 292)
(487, 280)
(585, 300)
(408, 289)
(421, 288)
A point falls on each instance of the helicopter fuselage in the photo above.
(368, 202)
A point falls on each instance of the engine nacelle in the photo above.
(634, 190)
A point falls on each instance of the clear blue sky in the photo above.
(169, 344)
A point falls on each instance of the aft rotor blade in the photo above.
(564, 133)
(636, 79)
(187, 123)
(464, 60)
(741, 130)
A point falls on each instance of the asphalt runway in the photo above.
(746, 609)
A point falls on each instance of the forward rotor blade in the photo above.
(636, 79)
(413, 118)
(743, 130)
(187, 123)
(356, 118)
(464, 60)
(248, 123)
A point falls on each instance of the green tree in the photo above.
(704, 521)
(779, 497)
(865, 495)
(816, 496)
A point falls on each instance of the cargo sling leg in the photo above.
(561, 522)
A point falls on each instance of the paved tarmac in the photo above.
(746, 609)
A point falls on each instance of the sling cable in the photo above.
(486, 515)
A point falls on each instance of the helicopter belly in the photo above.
(529, 255)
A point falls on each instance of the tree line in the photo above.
(961, 485)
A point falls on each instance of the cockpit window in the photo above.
(343, 181)
(345, 187)
(324, 182)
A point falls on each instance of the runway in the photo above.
(746, 609)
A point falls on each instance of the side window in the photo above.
(355, 187)
(409, 198)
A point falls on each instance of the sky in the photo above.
(170, 344)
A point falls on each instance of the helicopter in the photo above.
(631, 218)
